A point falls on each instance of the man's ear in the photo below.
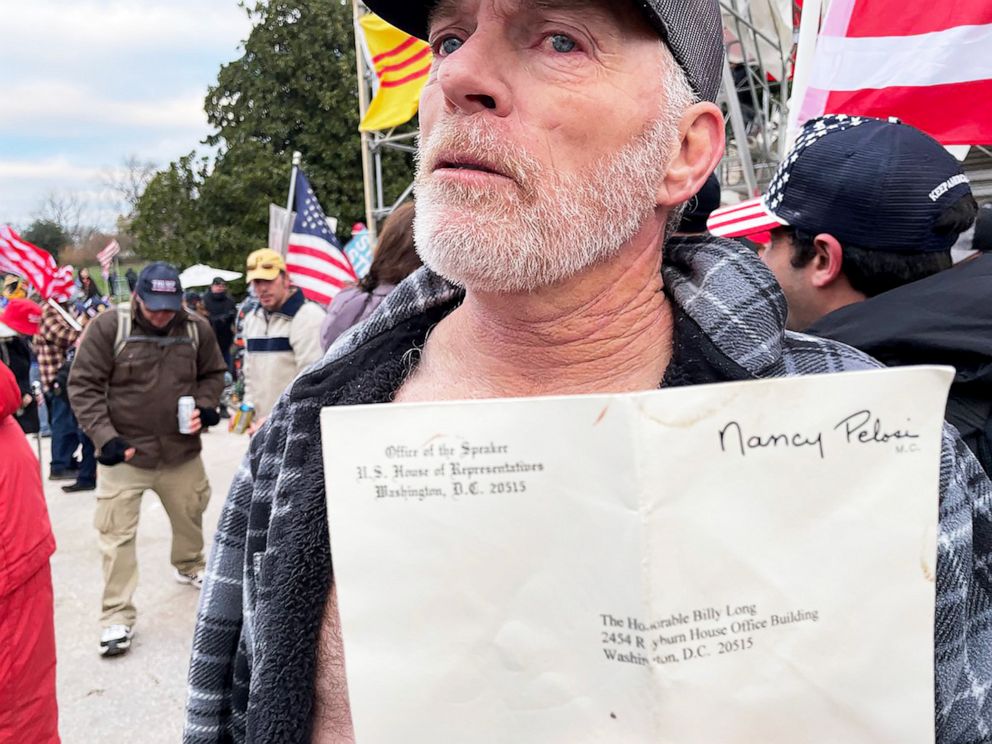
(701, 144)
(827, 265)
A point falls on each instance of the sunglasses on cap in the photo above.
(266, 265)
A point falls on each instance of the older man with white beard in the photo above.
(559, 139)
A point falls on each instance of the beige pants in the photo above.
(184, 492)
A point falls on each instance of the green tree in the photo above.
(47, 234)
(167, 222)
(294, 88)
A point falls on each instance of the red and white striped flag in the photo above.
(106, 256)
(6, 267)
(315, 261)
(61, 287)
(926, 62)
(21, 257)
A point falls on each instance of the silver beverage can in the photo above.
(187, 404)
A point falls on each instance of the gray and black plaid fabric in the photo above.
(252, 667)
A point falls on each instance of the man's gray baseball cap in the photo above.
(692, 30)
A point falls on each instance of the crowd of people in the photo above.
(598, 261)
(112, 376)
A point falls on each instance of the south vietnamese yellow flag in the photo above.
(402, 64)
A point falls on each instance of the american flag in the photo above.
(21, 257)
(106, 256)
(925, 62)
(314, 259)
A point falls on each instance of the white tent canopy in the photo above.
(200, 275)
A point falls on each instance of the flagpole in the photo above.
(297, 160)
(117, 280)
(68, 318)
(809, 29)
(363, 107)
(739, 129)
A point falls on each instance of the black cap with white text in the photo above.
(159, 287)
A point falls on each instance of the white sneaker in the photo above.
(115, 640)
(194, 579)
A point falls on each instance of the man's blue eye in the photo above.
(562, 43)
(450, 44)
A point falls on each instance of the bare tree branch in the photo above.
(67, 210)
(128, 181)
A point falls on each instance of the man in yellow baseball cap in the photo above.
(266, 264)
(282, 335)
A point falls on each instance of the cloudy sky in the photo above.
(86, 83)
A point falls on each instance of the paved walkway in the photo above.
(138, 697)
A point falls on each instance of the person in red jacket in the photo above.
(28, 710)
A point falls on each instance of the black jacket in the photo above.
(221, 309)
(15, 352)
(943, 319)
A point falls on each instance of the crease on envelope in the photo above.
(656, 503)
(647, 553)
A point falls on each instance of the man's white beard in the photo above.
(548, 228)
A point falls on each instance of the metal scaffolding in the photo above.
(374, 144)
(761, 40)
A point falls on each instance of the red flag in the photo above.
(33, 263)
(106, 256)
(61, 287)
(922, 61)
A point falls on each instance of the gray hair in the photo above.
(679, 96)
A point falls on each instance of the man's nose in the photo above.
(470, 79)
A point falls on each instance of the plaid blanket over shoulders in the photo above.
(252, 666)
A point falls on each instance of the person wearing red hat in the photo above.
(19, 320)
(28, 708)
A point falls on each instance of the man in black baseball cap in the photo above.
(863, 216)
(159, 288)
(559, 140)
(860, 206)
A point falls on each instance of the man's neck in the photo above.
(839, 298)
(608, 329)
(281, 305)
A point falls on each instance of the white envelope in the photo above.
(744, 563)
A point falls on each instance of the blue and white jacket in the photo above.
(278, 346)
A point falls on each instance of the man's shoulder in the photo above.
(802, 354)
(310, 311)
(104, 324)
